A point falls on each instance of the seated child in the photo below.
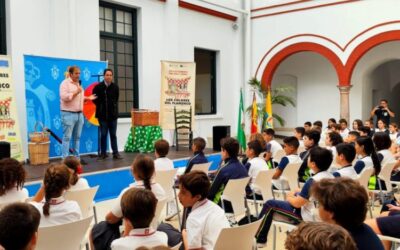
(367, 157)
(55, 210)
(271, 144)
(344, 158)
(311, 139)
(307, 126)
(393, 131)
(19, 223)
(206, 219)
(77, 183)
(198, 157)
(299, 134)
(352, 137)
(297, 207)
(364, 131)
(382, 143)
(344, 131)
(231, 169)
(319, 235)
(12, 181)
(291, 144)
(348, 209)
(161, 151)
(138, 208)
(254, 164)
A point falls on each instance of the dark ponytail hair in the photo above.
(369, 149)
(143, 168)
(12, 174)
(72, 163)
(56, 180)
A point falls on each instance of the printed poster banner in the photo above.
(9, 125)
(177, 90)
(43, 76)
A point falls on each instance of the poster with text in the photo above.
(177, 90)
(9, 125)
(43, 76)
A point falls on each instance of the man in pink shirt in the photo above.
(71, 103)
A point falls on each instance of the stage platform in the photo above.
(112, 175)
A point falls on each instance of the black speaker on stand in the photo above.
(5, 149)
(220, 132)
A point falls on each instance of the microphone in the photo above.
(80, 83)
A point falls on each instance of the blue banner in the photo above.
(43, 76)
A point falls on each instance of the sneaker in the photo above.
(83, 162)
(117, 157)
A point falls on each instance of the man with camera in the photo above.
(382, 112)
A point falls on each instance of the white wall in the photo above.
(70, 29)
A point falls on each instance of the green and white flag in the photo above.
(241, 136)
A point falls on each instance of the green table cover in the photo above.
(143, 139)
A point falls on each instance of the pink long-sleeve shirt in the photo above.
(67, 100)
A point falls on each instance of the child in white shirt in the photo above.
(344, 158)
(55, 210)
(138, 208)
(161, 151)
(12, 178)
(74, 165)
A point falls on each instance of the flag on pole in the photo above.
(254, 116)
(268, 120)
(240, 129)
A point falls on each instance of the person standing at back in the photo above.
(382, 112)
(106, 103)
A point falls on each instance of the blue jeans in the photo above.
(269, 209)
(72, 124)
(105, 128)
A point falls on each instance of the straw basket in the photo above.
(39, 152)
(39, 136)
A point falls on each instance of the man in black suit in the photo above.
(106, 103)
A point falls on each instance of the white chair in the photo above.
(395, 241)
(63, 237)
(278, 223)
(263, 184)
(177, 246)
(290, 174)
(235, 193)
(279, 155)
(84, 197)
(160, 207)
(384, 175)
(166, 178)
(202, 167)
(241, 237)
(363, 179)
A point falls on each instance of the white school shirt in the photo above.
(275, 146)
(256, 165)
(204, 223)
(82, 183)
(344, 133)
(61, 211)
(281, 182)
(140, 237)
(156, 188)
(387, 156)
(347, 171)
(163, 163)
(14, 195)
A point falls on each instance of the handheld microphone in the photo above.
(80, 83)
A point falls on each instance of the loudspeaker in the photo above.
(5, 149)
(220, 132)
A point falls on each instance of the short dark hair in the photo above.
(308, 123)
(106, 70)
(332, 120)
(319, 235)
(313, 135)
(355, 133)
(335, 138)
(196, 182)
(255, 145)
(343, 121)
(347, 150)
(200, 143)
(364, 129)
(300, 130)
(318, 123)
(162, 147)
(269, 131)
(139, 206)
(18, 224)
(292, 141)
(337, 195)
(322, 157)
(12, 175)
(382, 141)
(231, 146)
